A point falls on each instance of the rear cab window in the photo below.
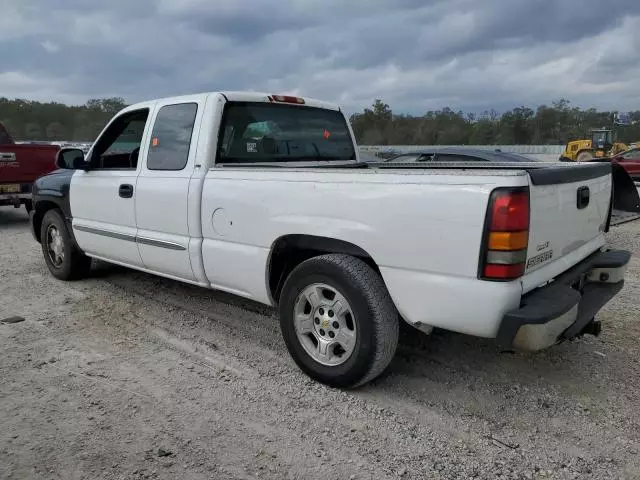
(254, 132)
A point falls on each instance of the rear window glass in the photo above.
(266, 132)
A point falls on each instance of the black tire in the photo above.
(28, 205)
(375, 315)
(584, 156)
(75, 264)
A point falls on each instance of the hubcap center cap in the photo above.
(324, 323)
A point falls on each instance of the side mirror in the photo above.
(71, 159)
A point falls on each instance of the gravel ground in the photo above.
(129, 376)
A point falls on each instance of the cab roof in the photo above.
(237, 96)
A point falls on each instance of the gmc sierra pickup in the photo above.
(20, 165)
(265, 196)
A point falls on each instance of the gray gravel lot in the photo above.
(126, 376)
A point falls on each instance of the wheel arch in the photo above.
(41, 208)
(288, 251)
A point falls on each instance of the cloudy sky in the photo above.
(414, 54)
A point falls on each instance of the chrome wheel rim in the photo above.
(55, 246)
(325, 324)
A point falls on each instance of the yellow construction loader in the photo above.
(601, 144)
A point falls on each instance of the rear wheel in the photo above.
(63, 259)
(338, 320)
(584, 156)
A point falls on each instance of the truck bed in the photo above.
(626, 207)
(541, 173)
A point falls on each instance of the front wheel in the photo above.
(64, 260)
(338, 320)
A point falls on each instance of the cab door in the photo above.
(102, 199)
(162, 189)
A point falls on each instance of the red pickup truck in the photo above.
(20, 166)
(630, 161)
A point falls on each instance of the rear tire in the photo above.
(360, 338)
(64, 260)
(584, 156)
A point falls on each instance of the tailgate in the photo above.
(25, 163)
(569, 210)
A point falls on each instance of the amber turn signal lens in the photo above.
(508, 240)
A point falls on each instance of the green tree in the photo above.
(29, 120)
(378, 124)
(32, 130)
(56, 131)
(516, 126)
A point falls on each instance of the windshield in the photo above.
(267, 132)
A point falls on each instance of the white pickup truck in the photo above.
(265, 196)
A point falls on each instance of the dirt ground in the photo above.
(128, 376)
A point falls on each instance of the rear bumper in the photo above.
(565, 308)
(16, 199)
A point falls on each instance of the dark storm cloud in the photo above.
(552, 20)
(413, 54)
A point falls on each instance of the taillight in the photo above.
(506, 236)
(286, 99)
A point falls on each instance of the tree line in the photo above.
(28, 120)
(553, 124)
(546, 125)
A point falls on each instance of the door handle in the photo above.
(125, 190)
(583, 197)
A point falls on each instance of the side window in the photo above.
(118, 147)
(633, 154)
(171, 137)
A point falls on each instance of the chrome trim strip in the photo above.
(106, 233)
(160, 243)
(131, 238)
